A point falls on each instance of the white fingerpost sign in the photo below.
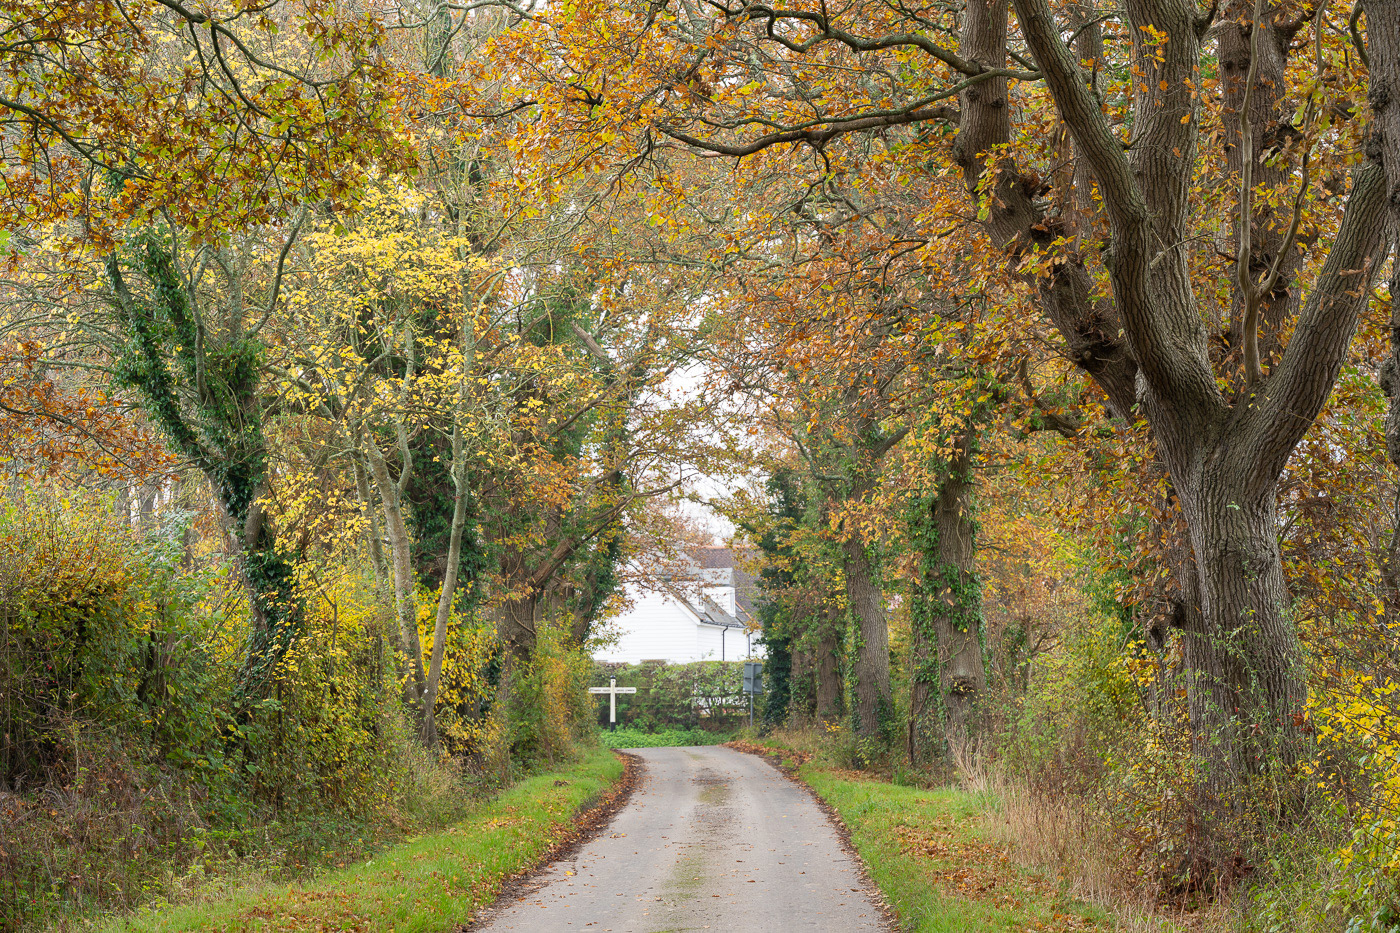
(612, 690)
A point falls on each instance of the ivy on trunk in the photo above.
(200, 385)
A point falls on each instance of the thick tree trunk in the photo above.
(1224, 458)
(517, 625)
(1383, 42)
(219, 431)
(870, 666)
(271, 580)
(957, 602)
(949, 673)
(817, 690)
(1241, 651)
(1390, 385)
(802, 694)
(925, 696)
(146, 505)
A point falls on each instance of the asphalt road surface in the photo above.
(712, 839)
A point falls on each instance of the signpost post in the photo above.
(753, 683)
(612, 690)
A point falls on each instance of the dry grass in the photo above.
(1053, 838)
(1059, 835)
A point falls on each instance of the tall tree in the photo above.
(379, 342)
(741, 78)
(171, 146)
(209, 404)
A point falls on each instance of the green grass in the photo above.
(635, 738)
(930, 853)
(432, 883)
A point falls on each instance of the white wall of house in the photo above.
(659, 627)
(734, 645)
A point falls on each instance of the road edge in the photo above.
(777, 759)
(588, 823)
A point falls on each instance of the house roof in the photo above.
(704, 608)
(745, 587)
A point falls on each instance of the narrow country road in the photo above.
(712, 839)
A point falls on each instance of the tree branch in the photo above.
(829, 33)
(835, 127)
(1299, 388)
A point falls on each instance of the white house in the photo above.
(703, 612)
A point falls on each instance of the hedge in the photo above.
(705, 695)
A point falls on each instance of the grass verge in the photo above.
(936, 859)
(432, 883)
(635, 738)
(932, 855)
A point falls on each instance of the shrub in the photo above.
(1098, 760)
(1358, 728)
(331, 736)
(1101, 781)
(636, 738)
(97, 624)
(547, 707)
(121, 763)
(112, 703)
(701, 695)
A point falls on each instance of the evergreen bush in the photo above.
(705, 695)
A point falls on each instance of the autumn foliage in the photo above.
(352, 356)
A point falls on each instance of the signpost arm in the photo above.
(612, 690)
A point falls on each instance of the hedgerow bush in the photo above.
(97, 624)
(705, 695)
(111, 704)
(1098, 766)
(1101, 782)
(1357, 723)
(666, 738)
(122, 762)
(547, 710)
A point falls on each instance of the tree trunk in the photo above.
(827, 689)
(957, 602)
(925, 698)
(121, 504)
(1241, 652)
(1270, 120)
(1224, 458)
(949, 673)
(517, 625)
(401, 551)
(870, 667)
(376, 541)
(220, 431)
(800, 701)
(1390, 385)
(1383, 41)
(449, 590)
